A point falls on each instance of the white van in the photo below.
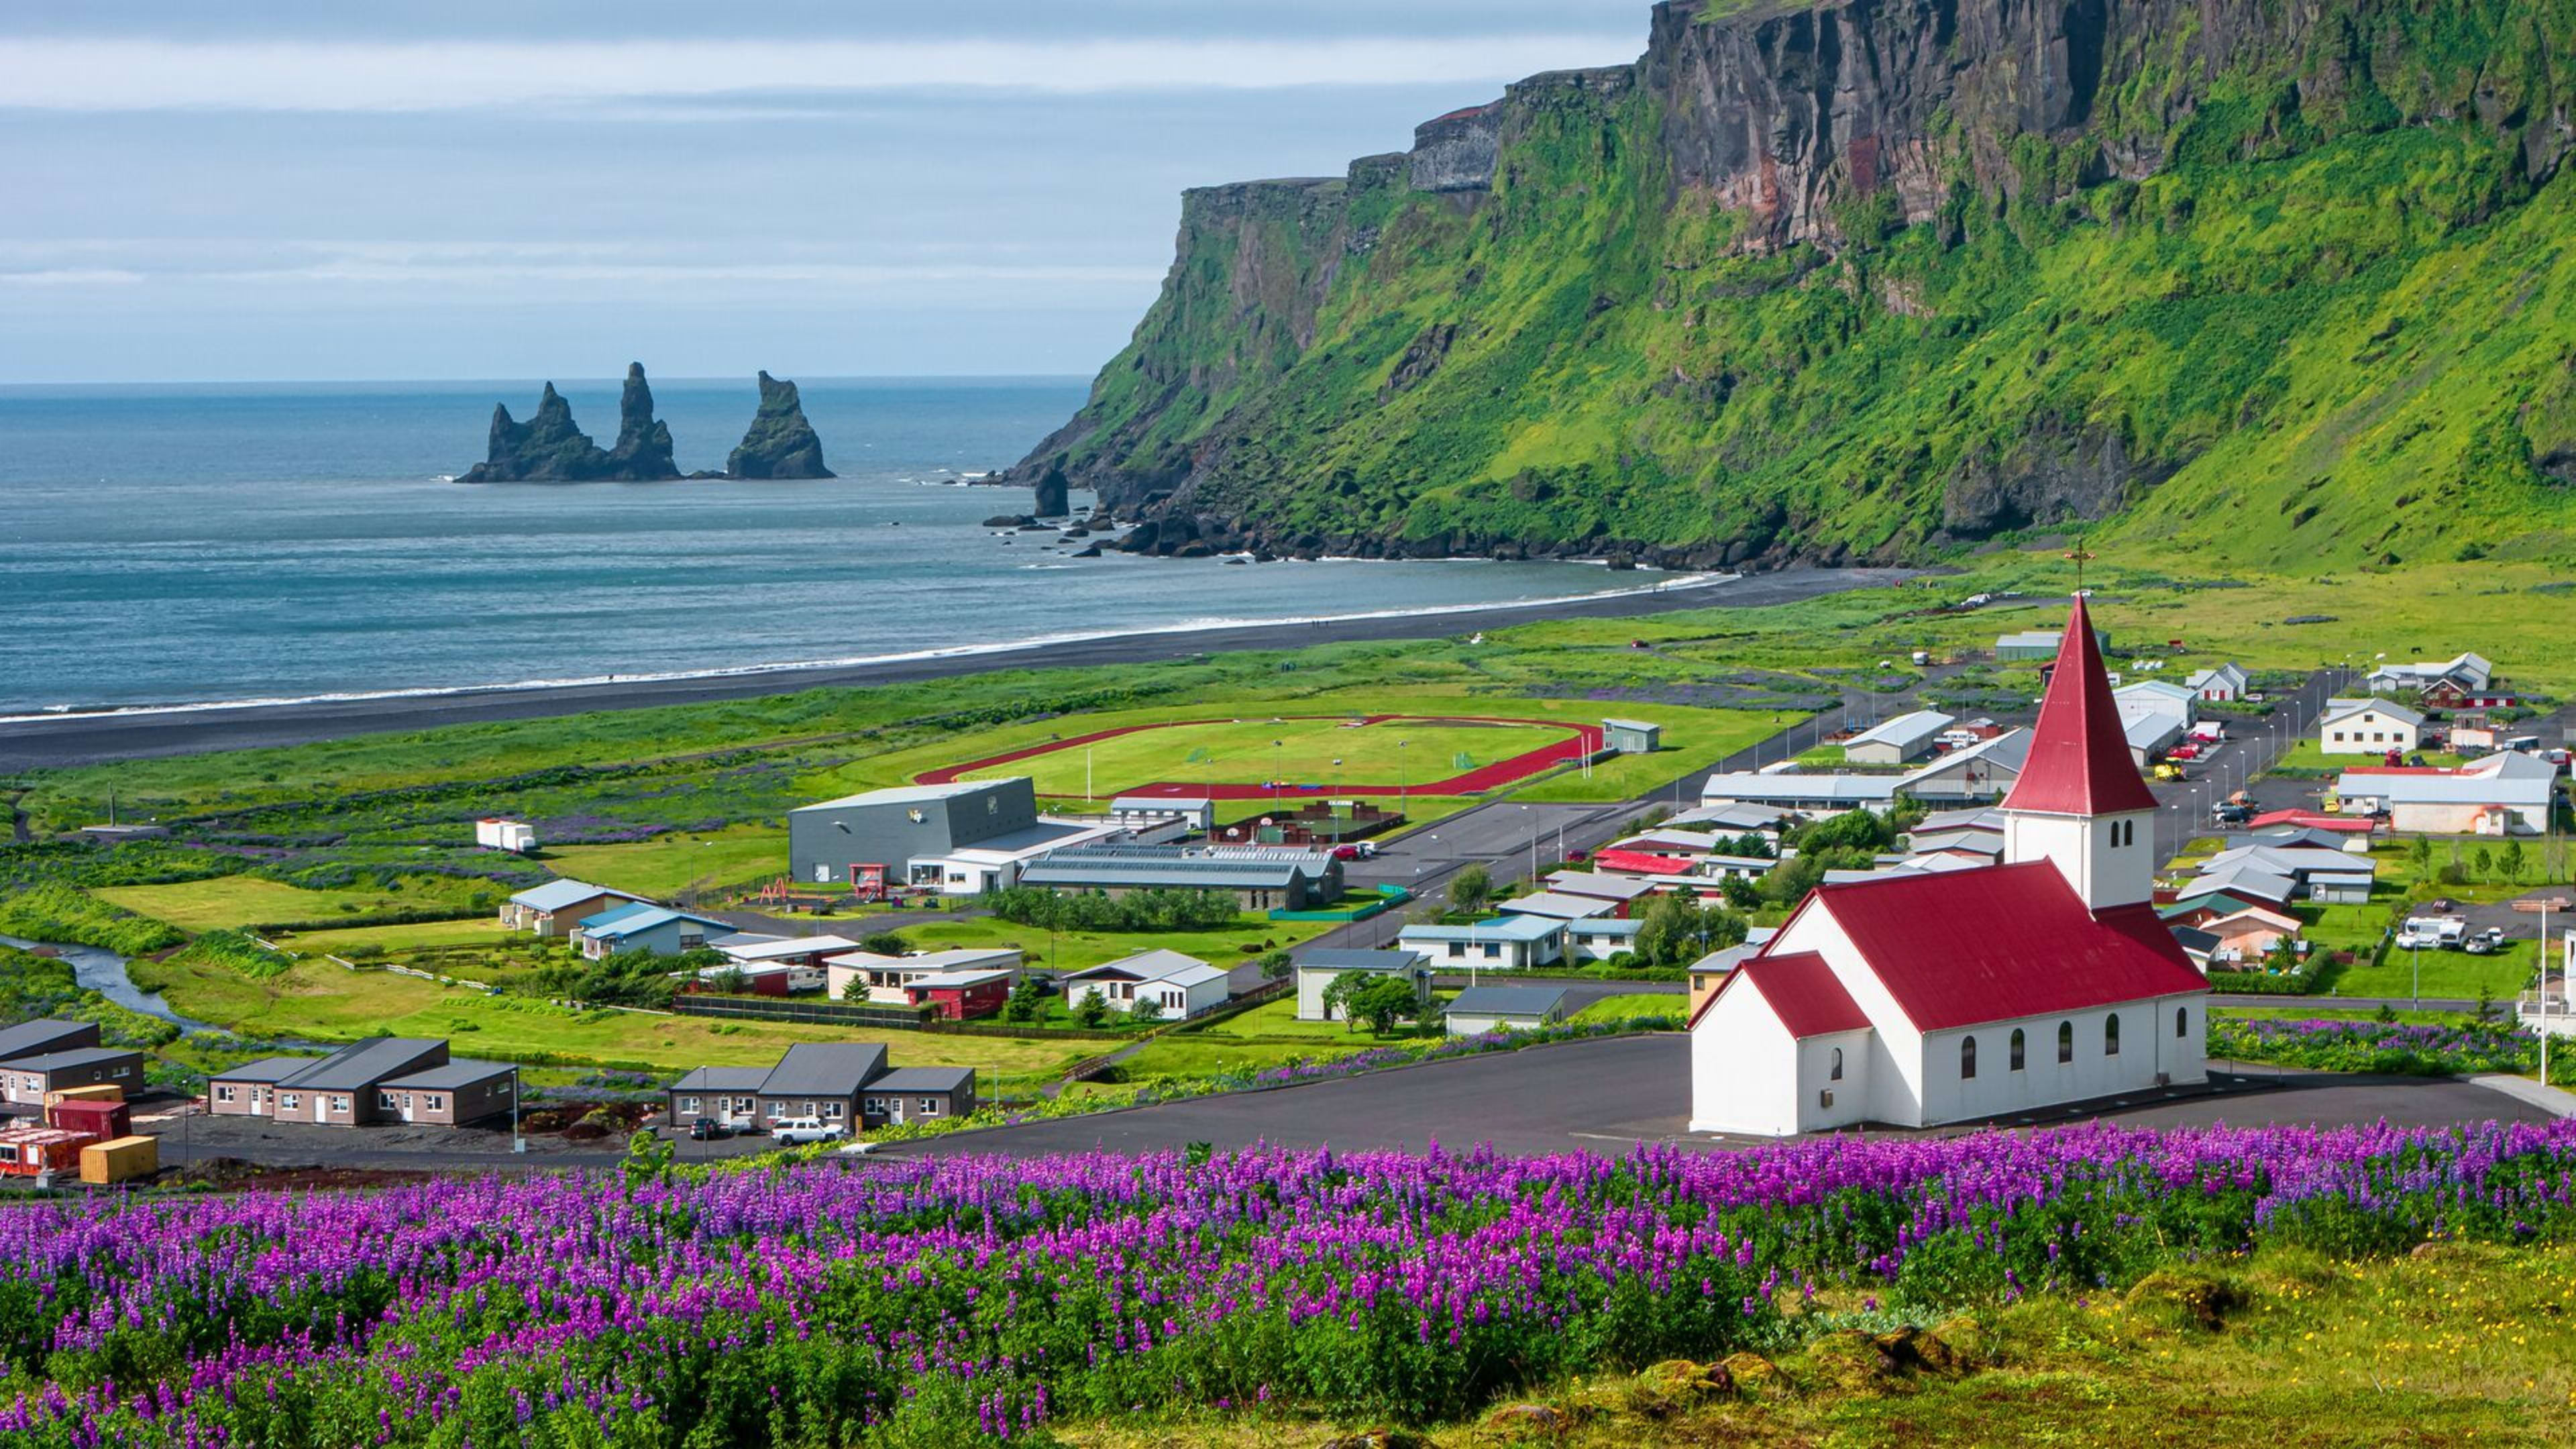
(794, 1130)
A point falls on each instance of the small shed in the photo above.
(1632, 736)
(1895, 742)
(1480, 1009)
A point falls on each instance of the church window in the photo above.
(2065, 1042)
(2016, 1049)
(1837, 1073)
(2111, 1035)
(2182, 1021)
(1967, 1057)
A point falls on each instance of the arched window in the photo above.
(2182, 1021)
(1967, 1057)
(2065, 1041)
(1837, 1073)
(2016, 1049)
(2111, 1035)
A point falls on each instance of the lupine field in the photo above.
(949, 1301)
(2414, 1049)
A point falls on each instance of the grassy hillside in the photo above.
(2336, 320)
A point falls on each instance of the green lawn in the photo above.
(479, 931)
(1296, 751)
(2454, 975)
(1183, 1054)
(666, 865)
(2308, 755)
(1076, 950)
(1277, 1020)
(316, 1000)
(242, 900)
(1670, 1004)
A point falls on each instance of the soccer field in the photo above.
(1332, 754)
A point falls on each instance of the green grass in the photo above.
(243, 900)
(2309, 756)
(2466, 1344)
(2450, 975)
(1309, 752)
(1275, 1020)
(1673, 1005)
(479, 931)
(668, 865)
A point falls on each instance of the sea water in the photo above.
(192, 544)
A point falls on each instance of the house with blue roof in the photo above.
(644, 926)
(1506, 943)
(555, 908)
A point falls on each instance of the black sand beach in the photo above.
(80, 739)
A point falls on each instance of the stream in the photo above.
(103, 971)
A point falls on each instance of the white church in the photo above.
(1914, 1000)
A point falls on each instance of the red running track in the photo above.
(1580, 740)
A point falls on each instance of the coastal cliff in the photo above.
(1871, 279)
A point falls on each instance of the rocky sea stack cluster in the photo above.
(550, 448)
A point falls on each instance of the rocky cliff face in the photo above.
(550, 448)
(779, 443)
(1851, 279)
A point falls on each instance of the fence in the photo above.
(812, 1013)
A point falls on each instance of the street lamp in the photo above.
(517, 1143)
(1403, 775)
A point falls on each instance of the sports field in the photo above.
(1240, 758)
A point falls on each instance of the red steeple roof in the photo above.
(2079, 755)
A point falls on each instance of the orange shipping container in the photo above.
(103, 1092)
(122, 1160)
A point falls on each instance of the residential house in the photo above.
(1259, 879)
(555, 908)
(1317, 969)
(961, 995)
(2328, 875)
(36, 1038)
(1560, 907)
(2368, 727)
(1480, 1009)
(1730, 820)
(848, 1083)
(2250, 934)
(26, 1080)
(1179, 986)
(643, 926)
(888, 980)
(380, 1079)
(1601, 937)
(1621, 891)
(2502, 794)
(2220, 684)
(1506, 943)
(2466, 673)
(1924, 998)
(1906, 738)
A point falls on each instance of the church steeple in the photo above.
(2080, 803)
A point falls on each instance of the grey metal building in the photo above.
(1260, 879)
(885, 831)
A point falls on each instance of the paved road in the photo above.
(1607, 1096)
(71, 740)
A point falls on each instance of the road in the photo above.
(54, 741)
(1607, 1096)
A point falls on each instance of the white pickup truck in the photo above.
(797, 1130)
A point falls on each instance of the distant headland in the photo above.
(550, 448)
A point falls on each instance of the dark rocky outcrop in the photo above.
(550, 448)
(779, 443)
(1054, 492)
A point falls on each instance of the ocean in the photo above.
(178, 545)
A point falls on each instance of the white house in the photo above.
(2470, 672)
(2222, 684)
(1560, 906)
(1919, 998)
(1480, 1009)
(883, 978)
(1179, 985)
(1897, 741)
(1979, 772)
(1601, 938)
(1321, 967)
(1508, 943)
(2504, 794)
(2368, 727)
(1790, 792)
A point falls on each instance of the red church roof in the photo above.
(1973, 946)
(2079, 754)
(1802, 991)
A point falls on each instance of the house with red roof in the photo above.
(1922, 998)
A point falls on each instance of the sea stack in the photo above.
(780, 443)
(1054, 493)
(550, 448)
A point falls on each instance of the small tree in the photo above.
(1274, 966)
(2484, 863)
(648, 1159)
(855, 989)
(1473, 890)
(1145, 1008)
(885, 943)
(1384, 1002)
(2420, 855)
(1338, 993)
(1028, 1000)
(2510, 862)
(1093, 1009)
(732, 981)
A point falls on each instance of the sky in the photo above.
(311, 191)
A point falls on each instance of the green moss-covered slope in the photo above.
(1863, 281)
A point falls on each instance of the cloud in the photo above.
(92, 74)
(72, 277)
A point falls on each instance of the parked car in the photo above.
(797, 1130)
(707, 1129)
(2484, 943)
(856, 1149)
(2228, 812)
